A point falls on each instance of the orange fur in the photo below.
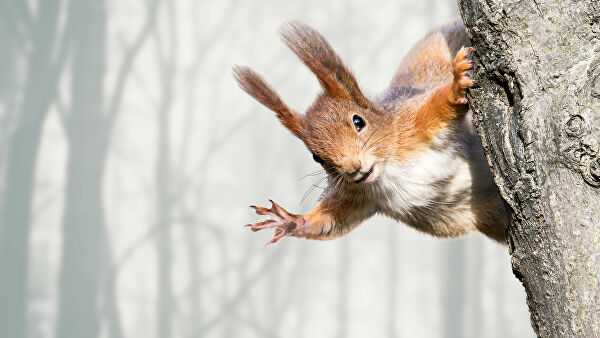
(316, 53)
(426, 95)
(447, 102)
(254, 85)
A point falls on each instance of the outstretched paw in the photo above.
(285, 224)
(462, 79)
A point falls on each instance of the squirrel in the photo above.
(411, 154)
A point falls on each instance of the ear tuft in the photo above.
(255, 85)
(316, 53)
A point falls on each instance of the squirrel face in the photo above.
(341, 134)
(345, 132)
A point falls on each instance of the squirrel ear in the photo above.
(316, 53)
(255, 85)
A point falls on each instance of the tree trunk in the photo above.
(537, 112)
(167, 58)
(343, 273)
(8, 62)
(474, 287)
(83, 219)
(108, 292)
(39, 89)
(454, 292)
(165, 304)
(392, 296)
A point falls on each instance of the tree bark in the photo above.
(537, 113)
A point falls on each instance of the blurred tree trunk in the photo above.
(475, 282)
(537, 112)
(8, 69)
(163, 240)
(42, 73)
(343, 273)
(392, 311)
(500, 319)
(304, 257)
(87, 133)
(9, 63)
(454, 289)
(110, 304)
(193, 250)
(167, 58)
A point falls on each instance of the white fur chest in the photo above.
(433, 179)
(436, 184)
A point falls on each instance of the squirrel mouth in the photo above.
(365, 176)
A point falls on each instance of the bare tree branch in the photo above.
(128, 61)
(247, 285)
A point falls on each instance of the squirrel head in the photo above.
(345, 132)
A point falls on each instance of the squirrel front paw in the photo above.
(285, 224)
(462, 79)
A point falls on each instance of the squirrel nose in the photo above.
(351, 164)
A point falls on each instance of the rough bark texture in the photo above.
(538, 113)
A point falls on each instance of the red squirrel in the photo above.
(411, 154)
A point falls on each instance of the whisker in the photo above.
(372, 133)
(312, 187)
(314, 173)
(332, 186)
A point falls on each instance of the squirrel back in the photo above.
(428, 64)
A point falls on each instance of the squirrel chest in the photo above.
(434, 192)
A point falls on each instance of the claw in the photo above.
(462, 78)
(261, 210)
(279, 234)
(284, 223)
(281, 212)
(261, 225)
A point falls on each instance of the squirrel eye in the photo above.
(359, 123)
(318, 159)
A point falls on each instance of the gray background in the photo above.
(227, 152)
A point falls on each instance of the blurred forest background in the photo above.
(129, 157)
